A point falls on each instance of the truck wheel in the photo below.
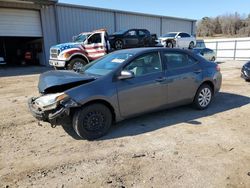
(169, 44)
(93, 121)
(118, 44)
(76, 64)
(191, 45)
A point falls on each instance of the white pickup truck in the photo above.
(178, 40)
(85, 47)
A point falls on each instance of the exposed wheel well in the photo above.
(107, 104)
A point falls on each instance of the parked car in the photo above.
(84, 48)
(207, 53)
(124, 84)
(178, 40)
(245, 71)
(132, 38)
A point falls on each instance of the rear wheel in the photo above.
(76, 64)
(92, 121)
(203, 97)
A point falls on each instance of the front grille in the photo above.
(53, 55)
(54, 52)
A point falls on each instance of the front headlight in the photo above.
(50, 101)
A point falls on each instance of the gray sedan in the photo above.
(124, 84)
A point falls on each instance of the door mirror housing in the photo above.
(125, 74)
(178, 37)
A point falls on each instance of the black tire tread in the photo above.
(78, 117)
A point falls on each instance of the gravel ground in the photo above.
(180, 147)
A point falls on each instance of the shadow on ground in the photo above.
(184, 114)
(22, 70)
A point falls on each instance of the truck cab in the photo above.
(85, 47)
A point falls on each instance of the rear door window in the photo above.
(176, 60)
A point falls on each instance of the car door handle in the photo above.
(161, 79)
(197, 71)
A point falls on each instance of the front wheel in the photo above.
(169, 44)
(191, 45)
(118, 45)
(76, 64)
(203, 97)
(93, 121)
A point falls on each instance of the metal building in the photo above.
(36, 25)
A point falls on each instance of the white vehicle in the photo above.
(178, 40)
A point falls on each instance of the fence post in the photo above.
(216, 49)
(235, 46)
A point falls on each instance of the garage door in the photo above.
(16, 22)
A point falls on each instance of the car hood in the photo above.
(163, 38)
(65, 46)
(60, 81)
(115, 35)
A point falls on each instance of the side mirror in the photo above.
(74, 38)
(202, 53)
(125, 74)
(178, 37)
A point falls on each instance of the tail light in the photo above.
(218, 68)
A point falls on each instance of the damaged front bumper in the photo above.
(62, 109)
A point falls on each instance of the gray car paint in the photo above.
(138, 95)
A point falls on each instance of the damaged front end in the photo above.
(50, 107)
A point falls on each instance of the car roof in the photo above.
(150, 49)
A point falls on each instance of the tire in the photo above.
(76, 64)
(201, 102)
(118, 45)
(191, 45)
(213, 58)
(92, 122)
(169, 44)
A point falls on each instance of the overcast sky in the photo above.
(193, 9)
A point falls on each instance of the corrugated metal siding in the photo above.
(172, 25)
(49, 29)
(15, 22)
(73, 21)
(19, 5)
(128, 21)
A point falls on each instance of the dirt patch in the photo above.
(181, 147)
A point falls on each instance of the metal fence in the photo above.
(228, 49)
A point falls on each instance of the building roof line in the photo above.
(124, 12)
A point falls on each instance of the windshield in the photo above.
(170, 35)
(106, 64)
(119, 32)
(81, 38)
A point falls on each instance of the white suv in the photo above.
(178, 40)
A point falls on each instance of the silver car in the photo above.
(124, 84)
(207, 53)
